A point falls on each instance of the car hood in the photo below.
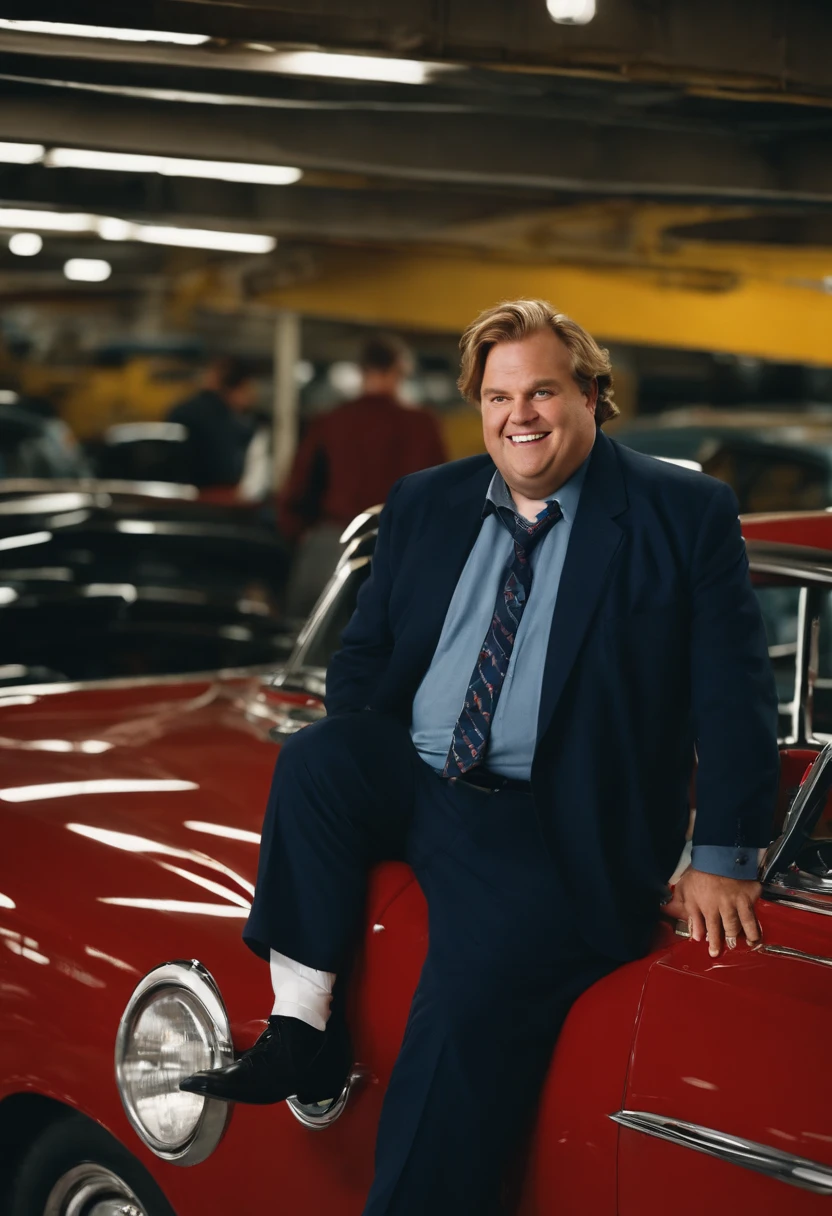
(131, 817)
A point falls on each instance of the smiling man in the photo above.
(547, 634)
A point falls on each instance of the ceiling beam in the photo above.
(300, 210)
(463, 150)
(434, 292)
(742, 43)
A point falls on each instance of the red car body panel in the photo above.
(725, 1043)
(101, 883)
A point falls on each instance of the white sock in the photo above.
(301, 992)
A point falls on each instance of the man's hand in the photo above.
(716, 906)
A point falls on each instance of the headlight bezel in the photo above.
(195, 979)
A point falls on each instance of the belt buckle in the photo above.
(480, 789)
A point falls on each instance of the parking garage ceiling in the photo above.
(670, 138)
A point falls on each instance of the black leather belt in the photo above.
(491, 783)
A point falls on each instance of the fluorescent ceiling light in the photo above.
(70, 30)
(87, 270)
(356, 67)
(112, 229)
(171, 166)
(571, 12)
(196, 238)
(46, 221)
(20, 154)
(25, 244)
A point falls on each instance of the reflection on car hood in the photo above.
(131, 817)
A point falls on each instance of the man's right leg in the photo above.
(341, 799)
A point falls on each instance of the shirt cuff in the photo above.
(728, 861)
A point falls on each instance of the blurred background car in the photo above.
(33, 444)
(774, 461)
(104, 581)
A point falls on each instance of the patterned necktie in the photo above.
(472, 730)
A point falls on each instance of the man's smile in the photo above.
(533, 438)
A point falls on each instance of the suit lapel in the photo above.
(593, 543)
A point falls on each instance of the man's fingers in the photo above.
(696, 924)
(731, 924)
(714, 924)
(750, 924)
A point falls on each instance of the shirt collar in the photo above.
(567, 497)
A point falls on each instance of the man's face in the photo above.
(537, 424)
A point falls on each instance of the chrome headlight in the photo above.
(175, 1024)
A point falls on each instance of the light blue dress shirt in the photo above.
(440, 697)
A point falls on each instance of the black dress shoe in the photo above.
(289, 1059)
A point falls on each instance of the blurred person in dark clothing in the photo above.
(219, 424)
(348, 460)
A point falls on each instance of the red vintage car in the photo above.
(130, 813)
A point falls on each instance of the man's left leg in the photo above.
(505, 963)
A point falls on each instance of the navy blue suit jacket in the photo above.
(656, 646)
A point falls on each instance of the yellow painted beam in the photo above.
(761, 317)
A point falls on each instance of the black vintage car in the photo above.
(100, 580)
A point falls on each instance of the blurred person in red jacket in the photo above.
(349, 460)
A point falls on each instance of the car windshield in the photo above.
(321, 636)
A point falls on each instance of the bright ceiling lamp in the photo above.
(571, 12)
(171, 166)
(46, 221)
(356, 67)
(87, 270)
(20, 154)
(186, 238)
(99, 31)
(112, 229)
(25, 244)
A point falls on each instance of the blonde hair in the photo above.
(516, 319)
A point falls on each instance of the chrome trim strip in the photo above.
(788, 560)
(800, 955)
(354, 528)
(321, 1115)
(801, 727)
(778, 893)
(198, 981)
(185, 677)
(130, 432)
(736, 1150)
(790, 569)
(318, 615)
(92, 485)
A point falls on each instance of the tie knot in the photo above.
(527, 533)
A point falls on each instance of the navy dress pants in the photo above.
(505, 958)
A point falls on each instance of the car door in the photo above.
(725, 1108)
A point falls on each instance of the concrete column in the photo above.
(286, 395)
